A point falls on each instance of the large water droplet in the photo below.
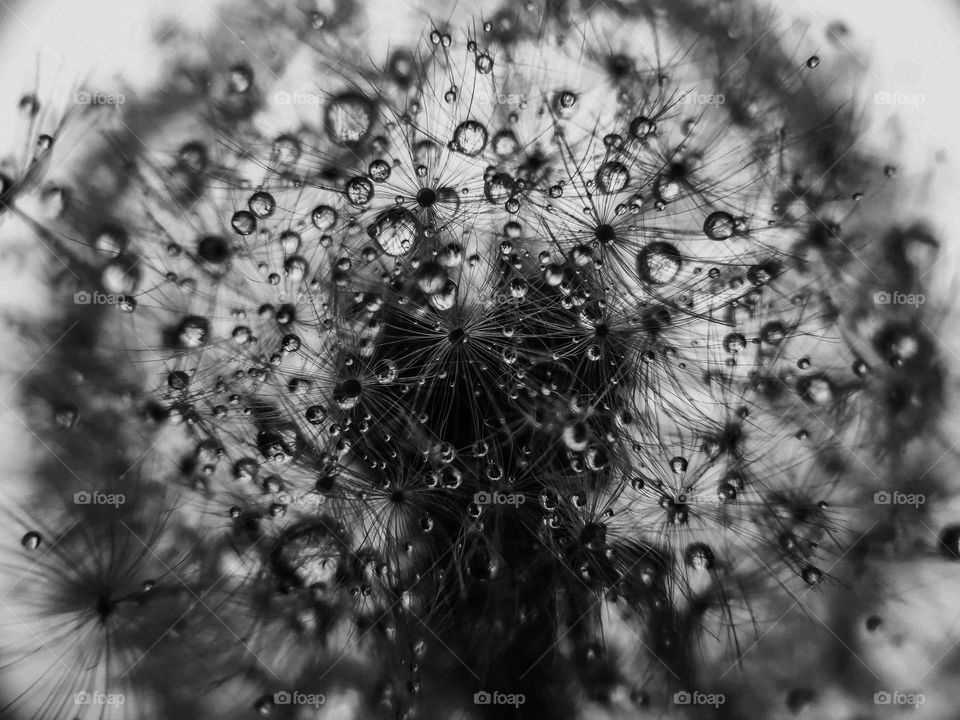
(359, 191)
(498, 188)
(470, 137)
(395, 231)
(323, 217)
(659, 263)
(243, 222)
(348, 118)
(612, 177)
(193, 331)
(262, 204)
(719, 226)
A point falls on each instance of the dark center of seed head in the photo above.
(605, 233)
(352, 388)
(457, 336)
(426, 197)
(104, 607)
(601, 330)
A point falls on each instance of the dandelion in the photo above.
(530, 355)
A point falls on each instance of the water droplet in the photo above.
(110, 241)
(242, 334)
(213, 249)
(402, 66)
(451, 255)
(296, 267)
(445, 298)
(699, 556)
(773, 332)
(641, 127)
(564, 101)
(612, 177)
(193, 331)
(193, 156)
(359, 191)
(31, 540)
(262, 204)
(347, 393)
(470, 137)
(289, 241)
(734, 342)
(243, 222)
(308, 554)
(315, 414)
(348, 118)
(597, 458)
(379, 170)
(286, 150)
(667, 188)
(816, 390)
(323, 217)
(813, 61)
(386, 371)
(431, 277)
(484, 64)
(659, 263)
(395, 231)
(553, 275)
(719, 226)
(498, 188)
(505, 144)
(726, 492)
(241, 78)
(575, 436)
(121, 276)
(65, 416)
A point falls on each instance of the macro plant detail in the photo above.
(534, 358)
